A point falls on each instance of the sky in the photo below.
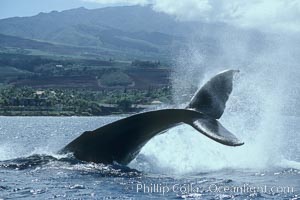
(20, 8)
(276, 15)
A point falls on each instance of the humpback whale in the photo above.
(122, 140)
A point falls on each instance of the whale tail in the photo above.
(212, 97)
(211, 100)
(122, 140)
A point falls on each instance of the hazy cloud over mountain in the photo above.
(264, 14)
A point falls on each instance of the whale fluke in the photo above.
(122, 140)
(212, 97)
(213, 129)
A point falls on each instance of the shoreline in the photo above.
(106, 111)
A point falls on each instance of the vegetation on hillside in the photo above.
(46, 85)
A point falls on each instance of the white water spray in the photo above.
(261, 111)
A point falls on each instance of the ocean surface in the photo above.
(180, 164)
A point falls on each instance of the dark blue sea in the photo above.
(180, 164)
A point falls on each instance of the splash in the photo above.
(260, 111)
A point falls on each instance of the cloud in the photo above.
(263, 14)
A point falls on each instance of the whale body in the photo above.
(122, 140)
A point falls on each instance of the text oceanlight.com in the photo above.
(190, 188)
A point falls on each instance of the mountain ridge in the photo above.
(127, 18)
(135, 29)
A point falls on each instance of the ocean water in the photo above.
(180, 164)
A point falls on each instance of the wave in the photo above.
(68, 162)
